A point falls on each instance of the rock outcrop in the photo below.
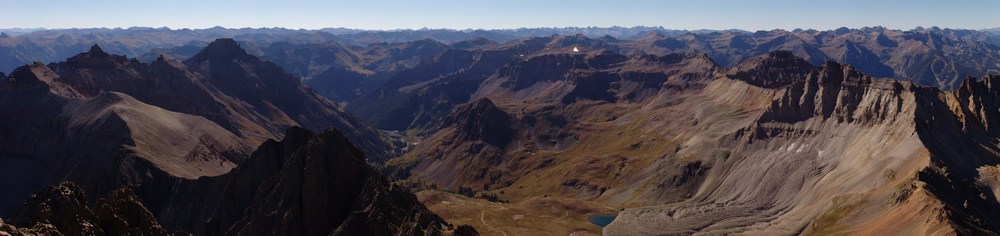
(306, 184)
(63, 209)
(777, 69)
(481, 120)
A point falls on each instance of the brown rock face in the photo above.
(63, 208)
(122, 213)
(777, 69)
(481, 120)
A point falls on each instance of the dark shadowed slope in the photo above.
(306, 184)
(280, 97)
(51, 133)
(63, 209)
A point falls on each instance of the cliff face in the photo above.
(835, 141)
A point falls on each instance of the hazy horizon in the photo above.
(467, 29)
(439, 14)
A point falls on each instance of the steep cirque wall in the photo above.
(839, 151)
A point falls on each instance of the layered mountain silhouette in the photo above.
(103, 120)
(249, 97)
(362, 59)
(930, 57)
(344, 73)
(172, 142)
(849, 131)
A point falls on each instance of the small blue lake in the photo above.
(601, 219)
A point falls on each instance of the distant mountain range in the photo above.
(929, 56)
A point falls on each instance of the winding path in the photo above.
(482, 218)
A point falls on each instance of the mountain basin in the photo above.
(601, 219)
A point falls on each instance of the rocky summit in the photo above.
(269, 194)
(63, 210)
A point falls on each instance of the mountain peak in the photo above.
(4, 35)
(652, 36)
(352, 198)
(37, 75)
(776, 69)
(95, 58)
(482, 120)
(96, 51)
(224, 42)
(27, 76)
(65, 205)
(223, 48)
(988, 85)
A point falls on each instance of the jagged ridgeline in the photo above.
(929, 56)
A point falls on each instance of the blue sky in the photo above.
(395, 14)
